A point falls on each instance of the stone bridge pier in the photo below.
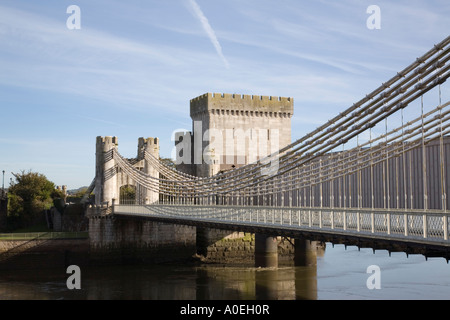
(119, 240)
(267, 251)
(263, 250)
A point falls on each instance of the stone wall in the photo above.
(114, 240)
(71, 219)
(238, 102)
(222, 246)
(127, 240)
(43, 254)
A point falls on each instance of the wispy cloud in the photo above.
(41, 54)
(209, 30)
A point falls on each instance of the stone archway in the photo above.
(127, 194)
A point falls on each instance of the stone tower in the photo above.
(151, 145)
(109, 177)
(106, 188)
(231, 130)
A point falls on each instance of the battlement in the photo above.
(61, 188)
(149, 141)
(108, 140)
(245, 97)
(150, 144)
(241, 104)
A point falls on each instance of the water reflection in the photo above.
(168, 282)
(237, 283)
(339, 274)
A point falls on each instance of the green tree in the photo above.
(29, 195)
(127, 194)
(168, 162)
(80, 193)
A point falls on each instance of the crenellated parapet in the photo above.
(242, 105)
(107, 141)
(150, 145)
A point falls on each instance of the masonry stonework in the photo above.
(110, 179)
(233, 130)
(223, 246)
(127, 240)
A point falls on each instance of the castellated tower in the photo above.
(110, 179)
(151, 146)
(231, 130)
(105, 177)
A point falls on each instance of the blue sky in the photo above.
(132, 68)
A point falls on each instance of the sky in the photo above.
(132, 67)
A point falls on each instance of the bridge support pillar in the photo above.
(106, 174)
(305, 253)
(202, 241)
(150, 145)
(266, 251)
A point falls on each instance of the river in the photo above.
(341, 273)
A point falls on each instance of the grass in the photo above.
(41, 231)
(43, 235)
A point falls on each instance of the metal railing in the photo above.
(418, 226)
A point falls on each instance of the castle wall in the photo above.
(120, 240)
(237, 102)
(234, 130)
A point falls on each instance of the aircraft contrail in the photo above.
(209, 31)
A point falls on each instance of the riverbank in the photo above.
(43, 253)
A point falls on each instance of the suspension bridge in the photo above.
(378, 171)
